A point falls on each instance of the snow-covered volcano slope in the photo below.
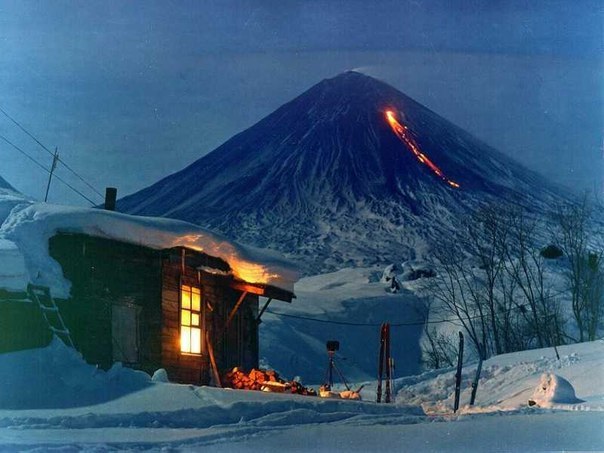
(349, 306)
(67, 404)
(326, 178)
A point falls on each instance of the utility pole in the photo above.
(55, 159)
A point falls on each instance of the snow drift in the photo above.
(553, 389)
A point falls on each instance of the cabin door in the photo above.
(125, 333)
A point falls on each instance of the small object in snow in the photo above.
(325, 392)
(160, 375)
(553, 389)
(350, 395)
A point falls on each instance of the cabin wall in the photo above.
(184, 368)
(105, 273)
(110, 277)
(22, 325)
(237, 346)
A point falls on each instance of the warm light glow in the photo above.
(185, 339)
(195, 300)
(185, 296)
(190, 316)
(251, 272)
(195, 341)
(400, 130)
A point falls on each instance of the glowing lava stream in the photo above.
(401, 132)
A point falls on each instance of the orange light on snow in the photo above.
(400, 131)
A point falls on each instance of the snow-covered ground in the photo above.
(348, 305)
(50, 399)
(57, 401)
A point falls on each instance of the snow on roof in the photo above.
(28, 226)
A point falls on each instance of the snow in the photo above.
(27, 226)
(13, 271)
(51, 399)
(81, 407)
(296, 347)
(553, 389)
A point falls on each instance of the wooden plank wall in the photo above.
(183, 368)
(105, 272)
(236, 347)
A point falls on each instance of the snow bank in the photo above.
(57, 377)
(553, 389)
(30, 225)
(13, 272)
(509, 381)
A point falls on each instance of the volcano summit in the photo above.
(351, 172)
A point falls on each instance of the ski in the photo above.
(458, 373)
(384, 365)
(475, 382)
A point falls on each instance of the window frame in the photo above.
(188, 309)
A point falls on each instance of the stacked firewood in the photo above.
(265, 380)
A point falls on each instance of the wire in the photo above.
(400, 324)
(29, 134)
(360, 324)
(47, 170)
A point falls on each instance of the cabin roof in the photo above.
(30, 225)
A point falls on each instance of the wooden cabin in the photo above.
(176, 308)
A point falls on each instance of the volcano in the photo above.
(350, 173)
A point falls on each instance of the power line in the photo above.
(46, 169)
(29, 134)
(361, 324)
(400, 324)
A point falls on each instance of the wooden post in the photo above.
(381, 364)
(388, 398)
(234, 310)
(213, 361)
(265, 306)
(55, 158)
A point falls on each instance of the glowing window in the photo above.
(190, 316)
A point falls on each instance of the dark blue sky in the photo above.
(132, 91)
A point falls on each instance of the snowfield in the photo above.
(50, 399)
(81, 407)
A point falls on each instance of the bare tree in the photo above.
(492, 281)
(525, 266)
(486, 237)
(438, 349)
(585, 266)
(593, 294)
(459, 292)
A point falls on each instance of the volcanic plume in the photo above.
(351, 172)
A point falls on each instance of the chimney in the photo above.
(110, 198)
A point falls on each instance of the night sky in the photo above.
(132, 91)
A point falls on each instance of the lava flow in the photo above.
(401, 132)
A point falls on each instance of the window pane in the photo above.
(185, 296)
(196, 341)
(194, 319)
(185, 317)
(196, 305)
(185, 339)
